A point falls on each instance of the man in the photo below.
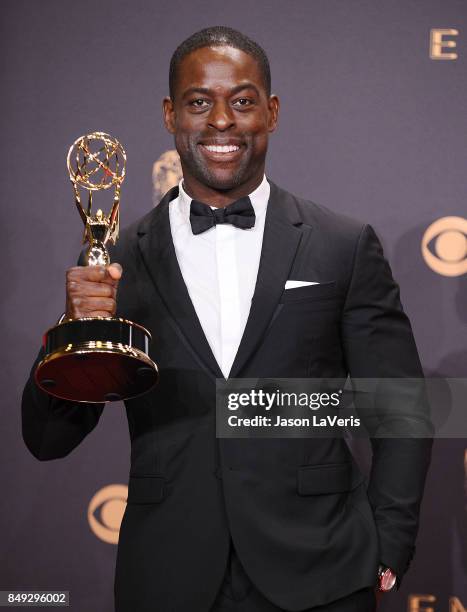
(245, 525)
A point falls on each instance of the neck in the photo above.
(219, 199)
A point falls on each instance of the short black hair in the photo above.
(218, 36)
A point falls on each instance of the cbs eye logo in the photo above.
(444, 246)
(105, 512)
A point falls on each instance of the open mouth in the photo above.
(221, 148)
(217, 152)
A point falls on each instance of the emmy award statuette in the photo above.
(97, 359)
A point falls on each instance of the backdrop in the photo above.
(373, 124)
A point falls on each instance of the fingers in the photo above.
(91, 291)
(90, 306)
(78, 289)
(115, 270)
(94, 274)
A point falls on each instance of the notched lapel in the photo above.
(158, 252)
(282, 236)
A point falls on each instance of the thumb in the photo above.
(115, 271)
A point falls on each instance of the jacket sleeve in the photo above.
(379, 344)
(51, 427)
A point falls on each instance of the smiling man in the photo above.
(221, 112)
(235, 277)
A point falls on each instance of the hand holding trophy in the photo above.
(97, 359)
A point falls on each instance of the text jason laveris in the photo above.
(279, 421)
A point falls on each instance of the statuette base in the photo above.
(96, 360)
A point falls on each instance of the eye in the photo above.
(244, 102)
(199, 103)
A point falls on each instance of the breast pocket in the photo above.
(320, 292)
(314, 309)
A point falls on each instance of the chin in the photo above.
(224, 184)
(221, 181)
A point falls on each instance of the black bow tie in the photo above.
(202, 217)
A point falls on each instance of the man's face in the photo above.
(221, 117)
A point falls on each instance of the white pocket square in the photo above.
(293, 284)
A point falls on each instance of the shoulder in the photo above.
(330, 224)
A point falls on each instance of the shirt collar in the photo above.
(259, 199)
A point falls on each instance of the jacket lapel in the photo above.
(282, 235)
(157, 249)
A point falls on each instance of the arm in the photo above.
(379, 343)
(51, 427)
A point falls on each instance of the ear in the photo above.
(168, 109)
(273, 107)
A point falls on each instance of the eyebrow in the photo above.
(233, 91)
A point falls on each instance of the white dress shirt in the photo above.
(220, 267)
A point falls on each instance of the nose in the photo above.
(221, 116)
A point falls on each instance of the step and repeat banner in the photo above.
(373, 124)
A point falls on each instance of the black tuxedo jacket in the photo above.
(306, 525)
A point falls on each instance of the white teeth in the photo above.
(222, 149)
